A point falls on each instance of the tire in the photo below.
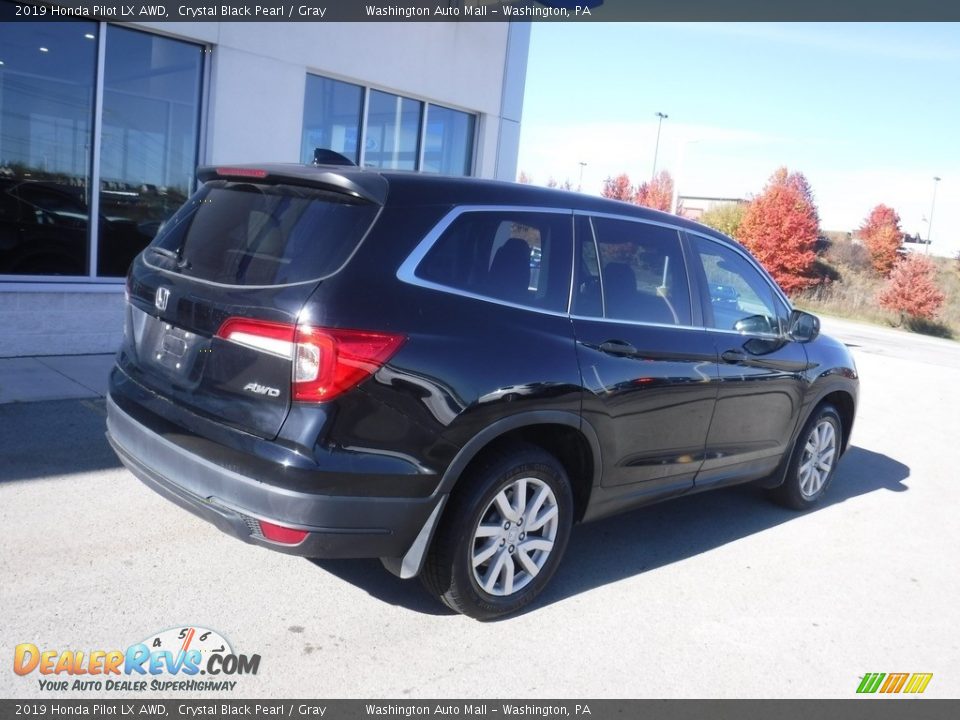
(814, 460)
(484, 561)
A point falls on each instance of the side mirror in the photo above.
(803, 327)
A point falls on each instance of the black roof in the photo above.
(414, 188)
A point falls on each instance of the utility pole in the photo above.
(656, 148)
(933, 205)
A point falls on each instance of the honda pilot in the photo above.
(448, 373)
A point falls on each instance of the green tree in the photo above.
(725, 217)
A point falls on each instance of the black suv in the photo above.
(447, 373)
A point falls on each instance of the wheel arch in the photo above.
(842, 398)
(576, 446)
(845, 405)
(565, 435)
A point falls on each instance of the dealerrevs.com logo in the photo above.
(186, 659)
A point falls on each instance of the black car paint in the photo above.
(664, 419)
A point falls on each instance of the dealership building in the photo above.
(109, 121)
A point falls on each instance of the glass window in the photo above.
(740, 298)
(448, 143)
(151, 113)
(642, 272)
(393, 132)
(522, 258)
(587, 298)
(331, 118)
(46, 119)
(239, 233)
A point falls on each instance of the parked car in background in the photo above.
(448, 373)
(44, 225)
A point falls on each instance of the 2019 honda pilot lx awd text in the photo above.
(448, 373)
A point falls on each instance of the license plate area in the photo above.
(174, 347)
(174, 352)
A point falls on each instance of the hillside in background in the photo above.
(849, 286)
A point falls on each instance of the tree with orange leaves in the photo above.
(883, 237)
(656, 194)
(780, 227)
(618, 188)
(912, 289)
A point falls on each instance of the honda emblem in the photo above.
(163, 296)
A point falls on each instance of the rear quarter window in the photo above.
(523, 258)
(238, 233)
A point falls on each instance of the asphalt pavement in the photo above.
(720, 595)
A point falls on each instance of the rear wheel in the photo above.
(814, 460)
(503, 534)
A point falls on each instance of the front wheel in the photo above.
(503, 534)
(814, 460)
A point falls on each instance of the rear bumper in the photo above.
(338, 526)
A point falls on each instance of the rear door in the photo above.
(648, 372)
(215, 299)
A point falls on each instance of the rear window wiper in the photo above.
(166, 253)
(175, 256)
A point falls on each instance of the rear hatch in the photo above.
(215, 298)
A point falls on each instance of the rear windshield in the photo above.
(240, 233)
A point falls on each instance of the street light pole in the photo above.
(656, 148)
(933, 204)
(580, 182)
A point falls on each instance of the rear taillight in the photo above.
(270, 337)
(329, 361)
(326, 361)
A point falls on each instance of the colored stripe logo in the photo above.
(890, 683)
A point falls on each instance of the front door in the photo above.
(761, 371)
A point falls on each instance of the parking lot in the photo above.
(717, 595)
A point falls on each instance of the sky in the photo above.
(868, 112)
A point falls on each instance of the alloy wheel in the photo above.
(515, 536)
(819, 454)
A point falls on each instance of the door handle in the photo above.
(619, 348)
(733, 356)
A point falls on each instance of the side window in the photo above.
(740, 297)
(642, 272)
(517, 257)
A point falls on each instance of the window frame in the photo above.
(778, 297)
(696, 280)
(90, 279)
(425, 103)
(421, 128)
(361, 116)
(696, 313)
(407, 272)
(472, 151)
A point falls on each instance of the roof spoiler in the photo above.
(371, 187)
